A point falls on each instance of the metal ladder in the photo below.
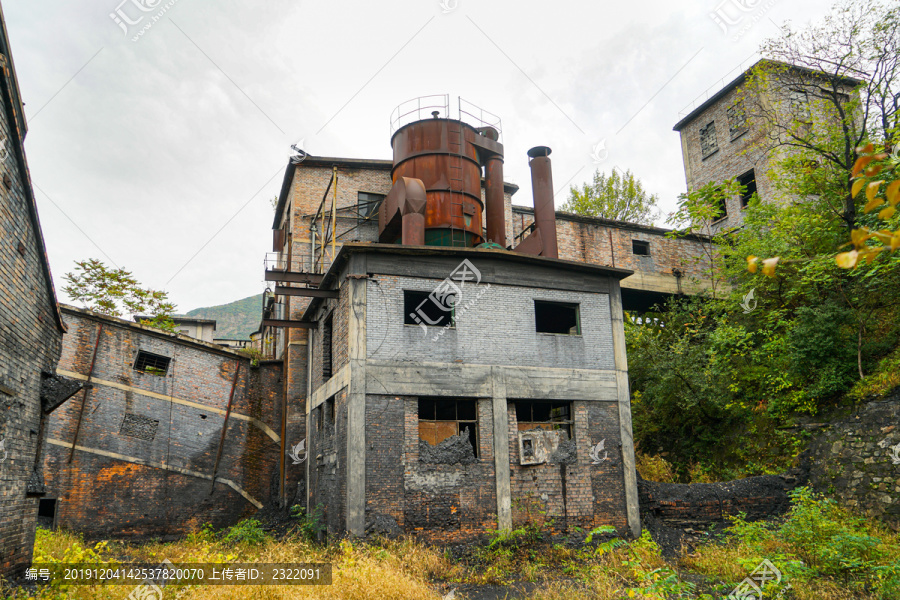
(456, 142)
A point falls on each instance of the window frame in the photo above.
(142, 359)
(575, 305)
(372, 206)
(408, 318)
(635, 244)
(738, 123)
(745, 197)
(705, 132)
(567, 424)
(474, 436)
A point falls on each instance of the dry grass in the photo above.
(655, 468)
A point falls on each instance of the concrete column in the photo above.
(356, 398)
(632, 504)
(501, 449)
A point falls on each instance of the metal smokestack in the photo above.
(542, 189)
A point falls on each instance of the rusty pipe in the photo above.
(542, 189)
(495, 212)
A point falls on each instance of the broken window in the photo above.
(47, 513)
(327, 346)
(737, 120)
(708, 143)
(154, 364)
(420, 308)
(747, 182)
(557, 317)
(441, 418)
(544, 415)
(640, 247)
(800, 105)
(367, 205)
(720, 204)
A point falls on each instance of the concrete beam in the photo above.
(501, 449)
(632, 506)
(356, 398)
(339, 381)
(402, 378)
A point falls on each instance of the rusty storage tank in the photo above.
(439, 152)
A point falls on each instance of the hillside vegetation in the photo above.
(235, 320)
(819, 552)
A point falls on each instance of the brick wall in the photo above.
(497, 328)
(30, 340)
(733, 158)
(156, 480)
(703, 504)
(609, 243)
(577, 494)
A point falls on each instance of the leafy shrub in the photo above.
(247, 531)
(655, 468)
(828, 538)
(311, 524)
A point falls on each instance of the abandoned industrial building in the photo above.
(169, 433)
(456, 362)
(436, 360)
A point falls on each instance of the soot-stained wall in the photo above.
(148, 445)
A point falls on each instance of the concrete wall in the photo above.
(30, 339)
(146, 445)
(493, 357)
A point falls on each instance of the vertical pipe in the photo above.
(87, 391)
(237, 371)
(495, 212)
(334, 215)
(413, 229)
(312, 245)
(542, 188)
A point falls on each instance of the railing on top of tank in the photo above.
(418, 109)
(424, 107)
(482, 118)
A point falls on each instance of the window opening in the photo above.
(154, 364)
(557, 317)
(441, 418)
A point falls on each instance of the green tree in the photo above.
(116, 292)
(615, 196)
(825, 89)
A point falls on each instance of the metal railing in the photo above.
(424, 107)
(275, 261)
(418, 109)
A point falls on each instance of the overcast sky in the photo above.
(141, 151)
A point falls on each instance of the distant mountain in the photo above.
(236, 320)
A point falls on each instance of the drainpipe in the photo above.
(237, 371)
(87, 391)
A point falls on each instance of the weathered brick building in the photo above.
(736, 132)
(402, 409)
(31, 330)
(170, 432)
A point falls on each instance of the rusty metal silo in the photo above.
(447, 156)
